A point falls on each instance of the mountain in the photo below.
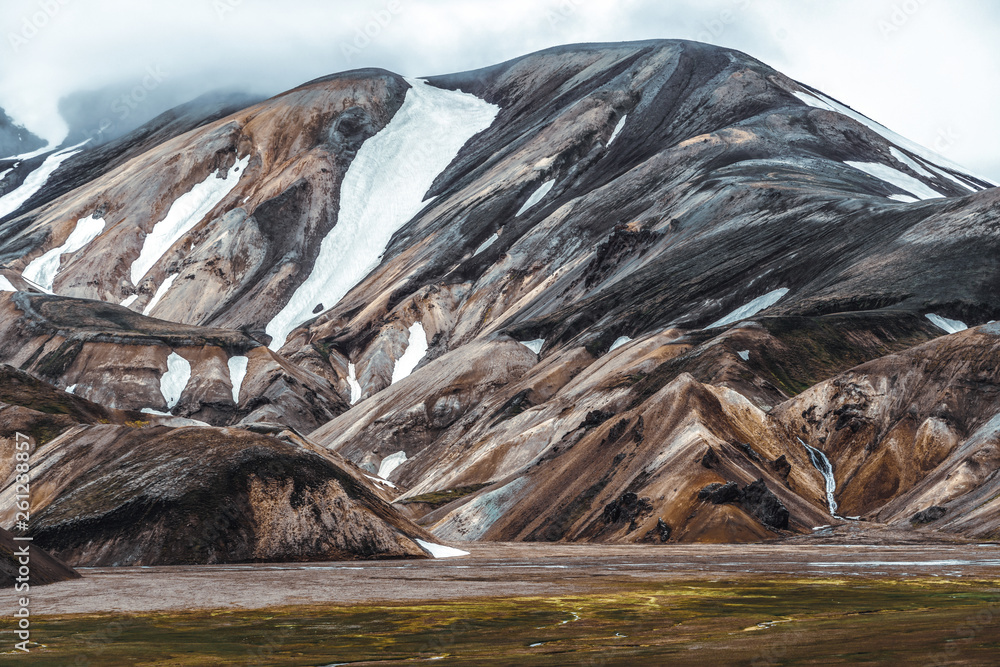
(636, 292)
(15, 139)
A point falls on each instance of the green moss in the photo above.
(440, 498)
(55, 363)
(620, 623)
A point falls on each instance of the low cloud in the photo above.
(922, 67)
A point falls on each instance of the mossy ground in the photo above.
(691, 623)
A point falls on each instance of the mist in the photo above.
(925, 69)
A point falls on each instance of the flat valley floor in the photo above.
(846, 598)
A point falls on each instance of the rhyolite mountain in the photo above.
(637, 292)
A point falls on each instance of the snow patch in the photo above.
(536, 196)
(621, 340)
(909, 162)
(384, 187)
(949, 326)
(954, 179)
(352, 380)
(744, 355)
(237, 373)
(533, 345)
(617, 130)
(897, 178)
(486, 244)
(752, 308)
(415, 351)
(390, 463)
(5, 285)
(42, 270)
(3, 174)
(160, 292)
(130, 300)
(187, 211)
(71, 389)
(821, 101)
(34, 182)
(439, 550)
(384, 482)
(175, 380)
(906, 199)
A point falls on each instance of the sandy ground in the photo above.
(500, 570)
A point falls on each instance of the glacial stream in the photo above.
(821, 463)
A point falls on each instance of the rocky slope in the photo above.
(44, 568)
(621, 292)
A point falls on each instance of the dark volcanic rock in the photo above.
(759, 501)
(718, 494)
(628, 507)
(781, 466)
(929, 515)
(660, 532)
(710, 458)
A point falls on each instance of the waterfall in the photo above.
(821, 463)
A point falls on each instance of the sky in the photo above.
(927, 69)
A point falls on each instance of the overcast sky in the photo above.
(926, 68)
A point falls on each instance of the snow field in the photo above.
(383, 189)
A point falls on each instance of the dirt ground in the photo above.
(508, 570)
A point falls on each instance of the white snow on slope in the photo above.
(352, 381)
(384, 482)
(439, 550)
(71, 389)
(42, 270)
(35, 153)
(617, 130)
(187, 211)
(954, 179)
(949, 326)
(130, 300)
(534, 345)
(618, 343)
(415, 351)
(384, 187)
(744, 355)
(896, 177)
(34, 182)
(173, 382)
(906, 199)
(390, 463)
(752, 308)
(160, 292)
(823, 102)
(3, 174)
(237, 373)
(910, 162)
(536, 196)
(486, 244)
(5, 285)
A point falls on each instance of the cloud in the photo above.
(922, 67)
